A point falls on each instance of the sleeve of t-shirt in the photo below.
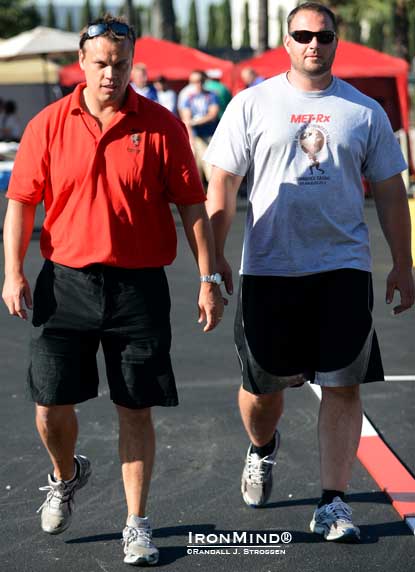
(183, 184)
(30, 169)
(229, 146)
(185, 103)
(213, 99)
(384, 156)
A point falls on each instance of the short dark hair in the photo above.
(202, 74)
(312, 7)
(108, 19)
(10, 107)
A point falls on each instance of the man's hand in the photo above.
(224, 269)
(401, 280)
(16, 289)
(211, 305)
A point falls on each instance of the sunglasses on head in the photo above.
(305, 36)
(119, 28)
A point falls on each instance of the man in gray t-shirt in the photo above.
(303, 140)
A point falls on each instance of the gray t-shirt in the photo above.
(304, 154)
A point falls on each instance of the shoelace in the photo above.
(56, 496)
(257, 469)
(338, 510)
(131, 533)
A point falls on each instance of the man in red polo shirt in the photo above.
(106, 162)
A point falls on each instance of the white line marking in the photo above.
(367, 428)
(101, 565)
(400, 377)
(369, 431)
(410, 521)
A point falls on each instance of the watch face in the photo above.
(212, 278)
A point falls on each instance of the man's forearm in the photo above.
(199, 235)
(17, 231)
(221, 205)
(208, 118)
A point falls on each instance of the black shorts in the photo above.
(127, 311)
(317, 327)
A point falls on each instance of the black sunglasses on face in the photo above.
(305, 36)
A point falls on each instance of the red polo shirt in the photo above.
(106, 195)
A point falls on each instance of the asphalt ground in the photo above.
(200, 454)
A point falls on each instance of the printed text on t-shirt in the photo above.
(310, 117)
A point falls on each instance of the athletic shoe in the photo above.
(139, 549)
(333, 521)
(256, 482)
(56, 511)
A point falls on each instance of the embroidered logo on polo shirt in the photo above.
(135, 139)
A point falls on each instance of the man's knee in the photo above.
(262, 399)
(347, 393)
(47, 414)
(134, 416)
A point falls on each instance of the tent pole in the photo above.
(46, 78)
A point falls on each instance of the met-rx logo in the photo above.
(310, 118)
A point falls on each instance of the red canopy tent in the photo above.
(383, 77)
(161, 57)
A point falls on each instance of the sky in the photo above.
(181, 6)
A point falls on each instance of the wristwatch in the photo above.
(213, 278)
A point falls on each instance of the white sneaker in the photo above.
(256, 484)
(139, 549)
(56, 511)
(333, 521)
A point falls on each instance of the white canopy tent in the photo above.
(28, 72)
(40, 41)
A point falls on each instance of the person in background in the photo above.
(1, 110)
(165, 96)
(224, 96)
(250, 77)
(304, 138)
(10, 128)
(182, 96)
(106, 162)
(200, 114)
(139, 82)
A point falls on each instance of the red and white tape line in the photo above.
(384, 467)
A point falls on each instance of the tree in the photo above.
(16, 17)
(246, 35)
(164, 19)
(138, 26)
(281, 25)
(212, 37)
(226, 15)
(129, 10)
(51, 15)
(401, 28)
(377, 35)
(102, 10)
(69, 27)
(193, 31)
(86, 14)
(171, 30)
(350, 14)
(411, 43)
(262, 26)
